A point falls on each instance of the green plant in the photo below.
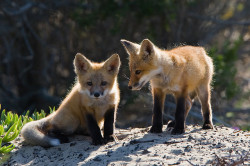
(225, 70)
(11, 125)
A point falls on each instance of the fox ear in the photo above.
(147, 48)
(81, 63)
(113, 64)
(131, 48)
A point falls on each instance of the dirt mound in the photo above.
(138, 147)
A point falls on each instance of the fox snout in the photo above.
(134, 86)
(96, 94)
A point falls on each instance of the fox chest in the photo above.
(165, 83)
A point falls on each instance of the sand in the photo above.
(138, 147)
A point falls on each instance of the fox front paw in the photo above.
(155, 129)
(177, 131)
(207, 126)
(97, 141)
(108, 138)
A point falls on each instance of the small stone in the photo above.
(97, 159)
(138, 160)
(190, 138)
(188, 148)
(72, 144)
(179, 151)
(109, 153)
(145, 151)
(80, 155)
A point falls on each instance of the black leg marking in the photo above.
(207, 123)
(157, 119)
(109, 125)
(94, 130)
(188, 105)
(179, 127)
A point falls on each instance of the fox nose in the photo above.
(130, 87)
(96, 94)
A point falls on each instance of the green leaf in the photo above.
(3, 116)
(13, 136)
(1, 139)
(1, 130)
(27, 113)
(19, 123)
(7, 149)
(8, 135)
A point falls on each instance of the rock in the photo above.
(145, 151)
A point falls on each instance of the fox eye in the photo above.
(137, 72)
(89, 83)
(103, 83)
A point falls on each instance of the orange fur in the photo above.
(182, 71)
(70, 117)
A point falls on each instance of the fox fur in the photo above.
(92, 101)
(185, 72)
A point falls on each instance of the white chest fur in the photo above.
(163, 81)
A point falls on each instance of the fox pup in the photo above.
(184, 71)
(93, 100)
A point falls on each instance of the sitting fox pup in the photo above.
(183, 71)
(93, 99)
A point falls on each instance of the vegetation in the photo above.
(225, 70)
(11, 125)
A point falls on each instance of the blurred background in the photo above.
(39, 39)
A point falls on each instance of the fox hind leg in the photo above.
(204, 96)
(188, 105)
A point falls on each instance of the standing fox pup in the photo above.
(93, 99)
(184, 71)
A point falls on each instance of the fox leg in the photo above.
(204, 96)
(179, 127)
(94, 130)
(188, 104)
(109, 124)
(157, 119)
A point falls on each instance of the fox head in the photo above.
(141, 62)
(96, 79)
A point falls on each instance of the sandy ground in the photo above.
(138, 147)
